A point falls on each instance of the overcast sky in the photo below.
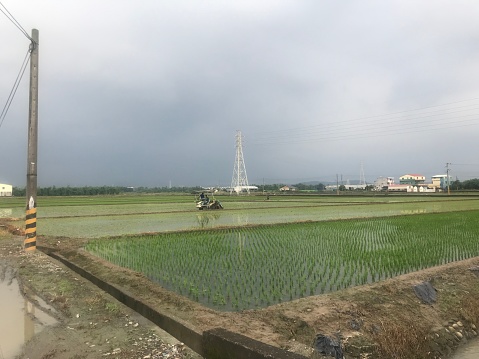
(152, 92)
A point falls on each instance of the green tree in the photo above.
(471, 184)
(320, 187)
(456, 185)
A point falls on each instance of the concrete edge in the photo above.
(212, 344)
(221, 343)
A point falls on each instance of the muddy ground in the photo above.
(382, 320)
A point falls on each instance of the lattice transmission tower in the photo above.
(362, 178)
(239, 181)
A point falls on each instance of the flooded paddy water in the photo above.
(245, 268)
(101, 221)
(21, 318)
(468, 351)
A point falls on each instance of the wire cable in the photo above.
(32, 46)
(14, 21)
(13, 91)
(410, 121)
(380, 118)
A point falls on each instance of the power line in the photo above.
(13, 91)
(393, 123)
(32, 46)
(14, 21)
(379, 117)
(360, 124)
(354, 134)
(464, 164)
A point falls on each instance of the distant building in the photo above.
(6, 190)
(353, 187)
(420, 188)
(412, 179)
(382, 183)
(239, 189)
(440, 181)
(400, 188)
(412, 183)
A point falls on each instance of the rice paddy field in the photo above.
(259, 252)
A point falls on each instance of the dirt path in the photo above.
(383, 320)
(91, 324)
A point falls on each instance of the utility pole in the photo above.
(31, 189)
(447, 174)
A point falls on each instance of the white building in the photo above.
(420, 188)
(6, 190)
(287, 189)
(400, 188)
(383, 183)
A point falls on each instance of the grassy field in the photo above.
(244, 268)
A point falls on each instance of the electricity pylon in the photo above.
(240, 179)
(362, 178)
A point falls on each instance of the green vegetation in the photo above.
(101, 190)
(64, 287)
(112, 307)
(240, 268)
(471, 184)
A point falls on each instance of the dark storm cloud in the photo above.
(144, 93)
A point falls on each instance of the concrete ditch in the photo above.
(212, 344)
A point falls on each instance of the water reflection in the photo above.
(413, 211)
(469, 351)
(5, 212)
(211, 219)
(241, 242)
(205, 219)
(241, 218)
(21, 318)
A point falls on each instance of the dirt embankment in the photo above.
(91, 324)
(382, 320)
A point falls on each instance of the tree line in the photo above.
(101, 190)
(472, 184)
(467, 185)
